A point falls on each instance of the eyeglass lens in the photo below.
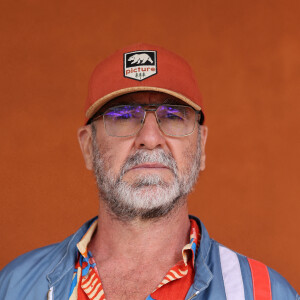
(127, 120)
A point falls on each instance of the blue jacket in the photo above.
(220, 273)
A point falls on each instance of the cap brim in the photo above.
(100, 102)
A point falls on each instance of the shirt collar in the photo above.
(188, 251)
(83, 243)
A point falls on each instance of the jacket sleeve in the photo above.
(280, 287)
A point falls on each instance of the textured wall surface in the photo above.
(246, 58)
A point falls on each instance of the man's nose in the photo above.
(150, 136)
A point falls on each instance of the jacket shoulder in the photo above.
(31, 274)
(25, 268)
(40, 257)
(281, 289)
(256, 275)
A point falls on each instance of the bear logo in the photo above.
(140, 65)
(140, 58)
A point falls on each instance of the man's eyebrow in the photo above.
(131, 101)
(126, 102)
(172, 101)
(116, 103)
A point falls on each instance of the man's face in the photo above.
(146, 175)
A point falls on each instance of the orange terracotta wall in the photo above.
(246, 58)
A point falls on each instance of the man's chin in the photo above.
(144, 201)
(144, 209)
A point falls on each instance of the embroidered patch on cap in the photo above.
(140, 65)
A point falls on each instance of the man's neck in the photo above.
(145, 240)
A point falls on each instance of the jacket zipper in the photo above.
(194, 295)
(50, 294)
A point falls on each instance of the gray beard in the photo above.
(149, 196)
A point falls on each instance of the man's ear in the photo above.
(203, 131)
(84, 135)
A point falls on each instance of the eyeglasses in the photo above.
(128, 120)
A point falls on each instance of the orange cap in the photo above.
(142, 67)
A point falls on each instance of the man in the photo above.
(144, 139)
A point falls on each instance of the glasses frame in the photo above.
(198, 115)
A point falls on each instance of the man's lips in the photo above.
(150, 166)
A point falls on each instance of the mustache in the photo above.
(153, 156)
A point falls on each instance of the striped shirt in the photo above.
(86, 282)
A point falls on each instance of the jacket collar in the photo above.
(67, 255)
(203, 274)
